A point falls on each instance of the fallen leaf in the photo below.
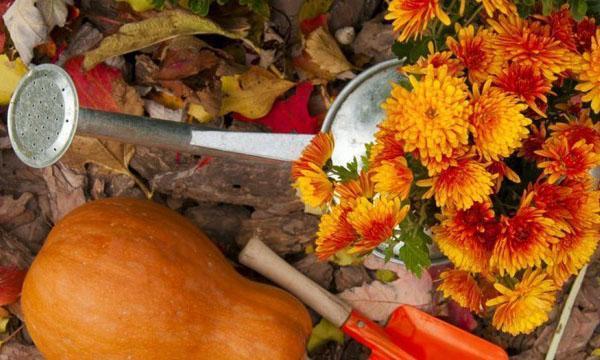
(12, 72)
(378, 300)
(11, 208)
(323, 333)
(65, 190)
(290, 115)
(54, 11)
(186, 62)
(252, 93)
(11, 282)
(139, 35)
(159, 111)
(312, 8)
(26, 26)
(4, 5)
(85, 39)
(198, 112)
(324, 51)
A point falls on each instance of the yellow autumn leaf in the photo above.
(140, 5)
(12, 72)
(197, 112)
(138, 35)
(325, 52)
(252, 93)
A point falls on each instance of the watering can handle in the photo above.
(256, 255)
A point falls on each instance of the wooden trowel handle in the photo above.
(256, 255)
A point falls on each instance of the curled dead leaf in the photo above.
(11, 282)
(322, 57)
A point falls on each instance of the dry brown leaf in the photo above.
(325, 52)
(110, 155)
(166, 25)
(378, 300)
(11, 208)
(65, 190)
(252, 93)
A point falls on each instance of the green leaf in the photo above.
(547, 6)
(578, 8)
(411, 49)
(200, 7)
(385, 276)
(348, 172)
(323, 333)
(414, 253)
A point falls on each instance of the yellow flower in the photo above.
(393, 178)
(375, 221)
(476, 52)
(506, 7)
(522, 309)
(314, 186)
(353, 189)
(411, 17)
(571, 161)
(525, 240)
(571, 253)
(530, 43)
(335, 232)
(433, 117)
(318, 152)
(435, 59)
(467, 237)
(496, 122)
(589, 76)
(460, 185)
(462, 287)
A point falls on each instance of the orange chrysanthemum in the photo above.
(521, 309)
(318, 152)
(530, 43)
(411, 17)
(527, 83)
(585, 203)
(335, 233)
(533, 143)
(501, 170)
(461, 287)
(497, 124)
(560, 203)
(435, 59)
(571, 253)
(476, 52)
(432, 117)
(467, 237)
(460, 186)
(561, 27)
(571, 161)
(353, 189)
(506, 7)
(578, 129)
(393, 177)
(584, 33)
(314, 186)
(375, 221)
(434, 166)
(525, 240)
(589, 76)
(386, 147)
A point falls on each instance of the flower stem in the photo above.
(474, 15)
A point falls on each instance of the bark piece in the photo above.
(351, 12)
(375, 41)
(350, 276)
(15, 351)
(319, 271)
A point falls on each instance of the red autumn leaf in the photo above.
(103, 88)
(4, 5)
(309, 25)
(11, 282)
(290, 115)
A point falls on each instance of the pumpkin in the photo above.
(130, 279)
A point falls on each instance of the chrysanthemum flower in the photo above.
(501, 170)
(335, 232)
(583, 204)
(375, 221)
(393, 178)
(353, 189)
(589, 76)
(560, 203)
(522, 309)
(467, 237)
(314, 186)
(584, 34)
(565, 160)
(506, 7)
(571, 253)
(476, 52)
(461, 287)
(578, 129)
(433, 117)
(386, 147)
(434, 166)
(435, 59)
(533, 143)
(460, 186)
(525, 240)
(529, 43)
(318, 152)
(561, 27)
(497, 124)
(527, 83)
(411, 17)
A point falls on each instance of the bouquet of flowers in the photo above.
(488, 147)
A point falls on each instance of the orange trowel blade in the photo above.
(426, 337)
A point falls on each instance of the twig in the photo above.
(474, 15)
(4, 341)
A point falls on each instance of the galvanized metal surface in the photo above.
(42, 116)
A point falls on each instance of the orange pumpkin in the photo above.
(129, 279)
